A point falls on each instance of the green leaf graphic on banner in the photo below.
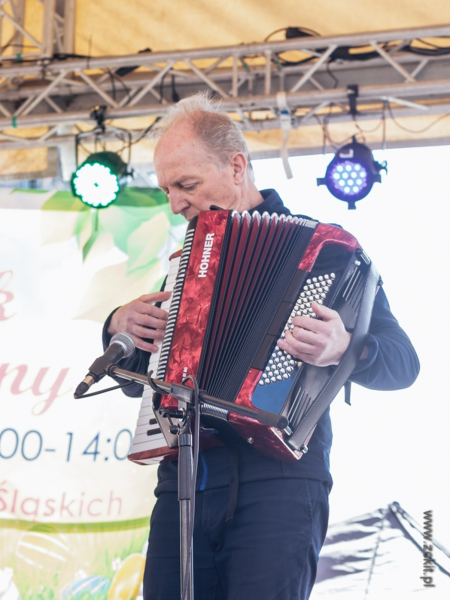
(140, 224)
(147, 241)
(65, 201)
(133, 206)
(94, 233)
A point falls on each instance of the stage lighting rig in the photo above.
(99, 179)
(351, 173)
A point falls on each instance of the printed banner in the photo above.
(74, 511)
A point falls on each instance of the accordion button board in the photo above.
(240, 281)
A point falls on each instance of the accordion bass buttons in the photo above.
(281, 365)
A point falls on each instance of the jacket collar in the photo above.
(272, 204)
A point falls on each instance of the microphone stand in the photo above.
(186, 395)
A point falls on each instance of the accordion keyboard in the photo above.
(174, 284)
(148, 435)
(170, 283)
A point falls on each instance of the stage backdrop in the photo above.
(74, 512)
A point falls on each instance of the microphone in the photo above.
(121, 346)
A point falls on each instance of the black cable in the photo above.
(422, 41)
(332, 75)
(196, 443)
(175, 94)
(286, 62)
(84, 148)
(324, 125)
(416, 130)
(290, 33)
(121, 81)
(301, 30)
(126, 146)
(356, 124)
(116, 387)
(336, 145)
(363, 131)
(433, 51)
(383, 117)
(146, 131)
(161, 88)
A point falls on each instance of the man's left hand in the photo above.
(320, 343)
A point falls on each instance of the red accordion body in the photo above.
(240, 282)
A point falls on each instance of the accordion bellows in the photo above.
(240, 281)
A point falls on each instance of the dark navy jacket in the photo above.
(392, 364)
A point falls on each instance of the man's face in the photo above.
(190, 175)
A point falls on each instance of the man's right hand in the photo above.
(141, 319)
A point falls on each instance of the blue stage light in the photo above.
(352, 172)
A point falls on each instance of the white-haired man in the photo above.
(260, 523)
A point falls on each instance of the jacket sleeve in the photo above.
(392, 363)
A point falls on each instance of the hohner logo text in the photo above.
(206, 254)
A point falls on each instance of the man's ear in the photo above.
(239, 163)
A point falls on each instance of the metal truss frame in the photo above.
(57, 30)
(250, 80)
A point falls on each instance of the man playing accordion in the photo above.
(260, 523)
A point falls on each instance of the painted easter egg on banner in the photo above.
(90, 587)
(128, 578)
(43, 547)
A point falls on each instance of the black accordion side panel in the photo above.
(295, 397)
(354, 302)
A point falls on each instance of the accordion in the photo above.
(236, 286)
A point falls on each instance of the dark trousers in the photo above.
(268, 551)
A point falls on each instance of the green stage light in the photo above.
(99, 179)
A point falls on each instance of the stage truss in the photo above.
(256, 82)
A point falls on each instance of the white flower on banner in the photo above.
(8, 589)
(80, 574)
(116, 564)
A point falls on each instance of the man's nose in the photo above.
(177, 201)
